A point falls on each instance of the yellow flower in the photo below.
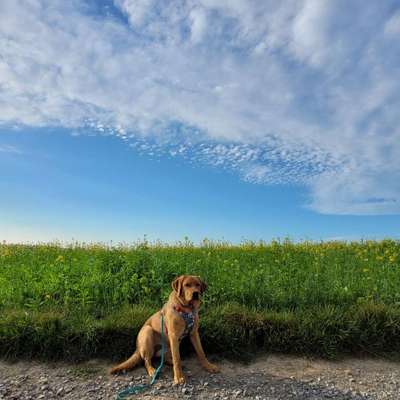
(60, 259)
(6, 252)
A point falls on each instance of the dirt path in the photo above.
(268, 377)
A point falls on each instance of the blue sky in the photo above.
(221, 119)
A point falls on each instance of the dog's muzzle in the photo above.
(195, 296)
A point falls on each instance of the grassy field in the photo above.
(77, 301)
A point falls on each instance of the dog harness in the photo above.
(189, 318)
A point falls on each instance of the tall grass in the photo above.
(309, 297)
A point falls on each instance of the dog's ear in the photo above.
(203, 285)
(177, 284)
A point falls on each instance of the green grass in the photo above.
(79, 301)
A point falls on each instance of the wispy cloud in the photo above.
(302, 92)
(9, 149)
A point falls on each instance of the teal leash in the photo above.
(140, 388)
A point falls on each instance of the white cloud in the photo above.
(281, 92)
(369, 194)
(137, 10)
(198, 24)
(392, 26)
(310, 40)
(9, 149)
(257, 174)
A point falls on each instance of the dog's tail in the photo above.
(130, 363)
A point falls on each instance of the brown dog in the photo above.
(180, 319)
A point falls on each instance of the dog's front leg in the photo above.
(195, 339)
(179, 378)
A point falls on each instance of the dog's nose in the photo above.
(195, 296)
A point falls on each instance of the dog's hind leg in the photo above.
(145, 345)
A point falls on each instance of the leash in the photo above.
(140, 388)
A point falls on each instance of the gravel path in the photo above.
(268, 377)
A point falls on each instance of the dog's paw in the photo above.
(151, 371)
(179, 380)
(211, 368)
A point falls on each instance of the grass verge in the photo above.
(229, 330)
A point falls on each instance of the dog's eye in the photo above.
(187, 285)
(197, 284)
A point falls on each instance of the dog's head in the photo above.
(189, 288)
